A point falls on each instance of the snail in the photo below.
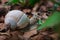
(15, 19)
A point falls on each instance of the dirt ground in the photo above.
(46, 34)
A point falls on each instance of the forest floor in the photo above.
(45, 34)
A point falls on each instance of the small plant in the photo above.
(52, 21)
(23, 2)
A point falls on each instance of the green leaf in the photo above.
(23, 2)
(39, 22)
(32, 2)
(53, 20)
(12, 2)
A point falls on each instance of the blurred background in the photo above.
(44, 26)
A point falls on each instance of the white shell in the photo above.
(16, 18)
